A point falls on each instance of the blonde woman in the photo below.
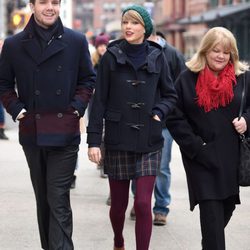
(134, 94)
(206, 127)
(101, 43)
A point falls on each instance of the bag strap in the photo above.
(242, 97)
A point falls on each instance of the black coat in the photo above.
(175, 60)
(211, 169)
(127, 97)
(50, 85)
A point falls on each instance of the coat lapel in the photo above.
(32, 47)
(55, 47)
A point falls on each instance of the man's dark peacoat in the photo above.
(49, 85)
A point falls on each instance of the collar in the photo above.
(31, 27)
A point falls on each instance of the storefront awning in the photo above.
(214, 14)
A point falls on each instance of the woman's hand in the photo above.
(95, 155)
(240, 125)
(156, 117)
(21, 116)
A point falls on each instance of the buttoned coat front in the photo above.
(208, 141)
(50, 85)
(126, 99)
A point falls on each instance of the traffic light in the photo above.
(19, 18)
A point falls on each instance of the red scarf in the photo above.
(213, 91)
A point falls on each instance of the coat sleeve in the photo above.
(95, 126)
(167, 91)
(179, 126)
(175, 61)
(85, 80)
(246, 113)
(8, 94)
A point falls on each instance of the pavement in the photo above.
(92, 229)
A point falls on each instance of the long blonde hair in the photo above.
(95, 58)
(209, 41)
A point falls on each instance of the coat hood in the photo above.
(154, 50)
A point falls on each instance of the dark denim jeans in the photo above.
(1, 114)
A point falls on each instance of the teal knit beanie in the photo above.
(145, 17)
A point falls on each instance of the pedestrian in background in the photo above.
(3, 136)
(162, 195)
(176, 64)
(205, 124)
(101, 43)
(2, 116)
(134, 94)
(50, 67)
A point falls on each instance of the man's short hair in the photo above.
(33, 1)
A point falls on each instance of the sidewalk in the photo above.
(92, 229)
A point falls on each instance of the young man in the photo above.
(162, 195)
(50, 67)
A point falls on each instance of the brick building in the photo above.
(183, 22)
(203, 14)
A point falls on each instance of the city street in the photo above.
(92, 229)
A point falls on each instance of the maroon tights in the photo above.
(119, 190)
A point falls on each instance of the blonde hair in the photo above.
(134, 16)
(95, 58)
(213, 37)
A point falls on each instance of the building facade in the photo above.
(166, 16)
(183, 22)
(204, 14)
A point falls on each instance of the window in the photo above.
(213, 3)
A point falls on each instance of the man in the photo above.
(162, 195)
(162, 184)
(50, 67)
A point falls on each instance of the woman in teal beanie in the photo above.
(134, 94)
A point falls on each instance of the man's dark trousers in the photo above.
(51, 171)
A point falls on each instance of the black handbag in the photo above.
(244, 167)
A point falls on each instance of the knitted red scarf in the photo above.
(215, 91)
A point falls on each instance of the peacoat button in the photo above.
(120, 51)
(38, 116)
(58, 91)
(37, 70)
(59, 115)
(37, 92)
(59, 68)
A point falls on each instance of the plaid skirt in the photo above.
(123, 165)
